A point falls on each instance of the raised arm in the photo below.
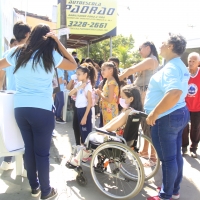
(148, 63)
(68, 62)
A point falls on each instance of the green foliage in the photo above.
(122, 47)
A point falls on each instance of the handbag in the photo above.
(56, 85)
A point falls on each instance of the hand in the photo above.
(98, 92)
(122, 75)
(81, 86)
(52, 35)
(152, 117)
(83, 121)
(64, 82)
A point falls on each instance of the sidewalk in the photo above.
(17, 188)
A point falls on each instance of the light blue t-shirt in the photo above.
(61, 75)
(174, 75)
(33, 86)
(10, 79)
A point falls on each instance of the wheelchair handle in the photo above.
(142, 114)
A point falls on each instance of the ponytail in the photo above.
(91, 72)
(153, 49)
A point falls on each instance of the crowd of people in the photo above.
(37, 58)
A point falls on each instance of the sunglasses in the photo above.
(141, 48)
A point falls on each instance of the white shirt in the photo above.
(81, 97)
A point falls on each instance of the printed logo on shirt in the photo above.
(192, 89)
(84, 128)
(186, 74)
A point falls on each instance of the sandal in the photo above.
(143, 156)
(149, 164)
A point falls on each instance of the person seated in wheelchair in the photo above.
(125, 125)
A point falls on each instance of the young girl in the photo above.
(86, 74)
(75, 123)
(130, 99)
(109, 96)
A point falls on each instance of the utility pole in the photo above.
(63, 19)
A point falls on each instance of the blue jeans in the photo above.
(36, 126)
(167, 138)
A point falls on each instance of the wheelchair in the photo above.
(116, 167)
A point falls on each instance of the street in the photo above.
(17, 188)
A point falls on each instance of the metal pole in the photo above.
(110, 46)
(26, 10)
(88, 48)
(63, 19)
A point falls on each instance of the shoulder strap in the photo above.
(57, 78)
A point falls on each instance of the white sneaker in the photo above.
(6, 166)
(54, 134)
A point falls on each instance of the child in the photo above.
(130, 99)
(86, 73)
(59, 98)
(110, 94)
(75, 124)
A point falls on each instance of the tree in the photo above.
(123, 53)
(122, 48)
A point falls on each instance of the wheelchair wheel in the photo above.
(107, 172)
(149, 159)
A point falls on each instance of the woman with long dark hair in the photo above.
(145, 70)
(33, 103)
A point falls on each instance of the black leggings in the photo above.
(76, 126)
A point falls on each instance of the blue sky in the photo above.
(145, 20)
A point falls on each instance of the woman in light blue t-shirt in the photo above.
(168, 114)
(34, 69)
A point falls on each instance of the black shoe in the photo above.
(35, 192)
(52, 194)
(60, 121)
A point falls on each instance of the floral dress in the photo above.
(110, 110)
